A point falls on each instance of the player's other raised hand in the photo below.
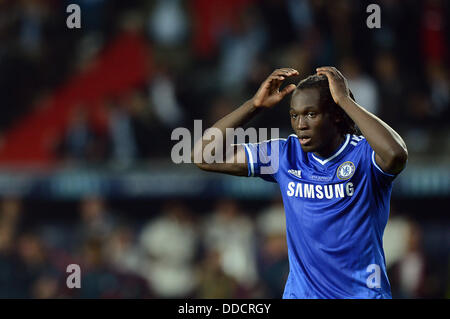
(269, 93)
(337, 82)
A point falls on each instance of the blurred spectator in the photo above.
(439, 91)
(122, 250)
(391, 88)
(447, 292)
(433, 33)
(170, 243)
(362, 85)
(341, 20)
(11, 214)
(10, 219)
(164, 101)
(10, 287)
(33, 16)
(95, 219)
(239, 47)
(167, 23)
(35, 269)
(386, 37)
(123, 141)
(231, 233)
(301, 16)
(273, 259)
(213, 281)
(395, 238)
(81, 143)
(408, 273)
(419, 112)
(100, 279)
(78, 136)
(94, 14)
(277, 17)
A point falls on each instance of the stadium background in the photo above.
(86, 117)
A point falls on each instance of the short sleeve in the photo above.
(264, 159)
(381, 177)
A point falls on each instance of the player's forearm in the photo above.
(235, 119)
(387, 143)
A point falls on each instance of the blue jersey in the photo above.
(336, 211)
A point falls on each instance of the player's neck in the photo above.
(331, 147)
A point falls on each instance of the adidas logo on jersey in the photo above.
(296, 172)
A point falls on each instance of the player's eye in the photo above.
(293, 116)
(311, 114)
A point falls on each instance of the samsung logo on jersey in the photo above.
(320, 191)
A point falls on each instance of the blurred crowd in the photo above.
(228, 250)
(175, 253)
(208, 57)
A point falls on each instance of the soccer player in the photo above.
(335, 183)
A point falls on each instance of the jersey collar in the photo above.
(340, 150)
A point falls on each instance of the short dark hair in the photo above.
(320, 82)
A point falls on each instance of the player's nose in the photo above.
(302, 123)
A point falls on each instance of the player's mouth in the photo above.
(304, 140)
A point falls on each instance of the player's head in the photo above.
(315, 117)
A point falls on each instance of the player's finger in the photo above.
(265, 85)
(272, 79)
(330, 69)
(275, 83)
(327, 73)
(325, 68)
(288, 89)
(339, 73)
(285, 72)
(276, 77)
(291, 71)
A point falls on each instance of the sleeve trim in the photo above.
(376, 165)
(250, 160)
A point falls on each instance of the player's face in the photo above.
(313, 126)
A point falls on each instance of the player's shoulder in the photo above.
(291, 141)
(281, 141)
(284, 144)
(358, 145)
(357, 141)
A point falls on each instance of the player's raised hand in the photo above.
(269, 92)
(337, 82)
